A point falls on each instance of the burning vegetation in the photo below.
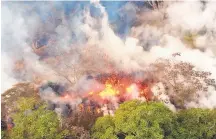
(103, 96)
(151, 80)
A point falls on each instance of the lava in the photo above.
(117, 89)
(109, 91)
(112, 90)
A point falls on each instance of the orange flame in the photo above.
(98, 110)
(108, 91)
(131, 88)
(81, 107)
(66, 96)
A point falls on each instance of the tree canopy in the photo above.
(195, 124)
(152, 120)
(35, 122)
(135, 120)
(182, 81)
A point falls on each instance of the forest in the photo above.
(108, 70)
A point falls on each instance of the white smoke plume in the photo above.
(158, 33)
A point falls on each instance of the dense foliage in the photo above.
(33, 121)
(132, 120)
(135, 120)
(195, 124)
(142, 120)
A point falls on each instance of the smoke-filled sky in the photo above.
(21, 21)
(131, 34)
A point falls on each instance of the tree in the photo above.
(3, 134)
(104, 128)
(135, 120)
(33, 121)
(195, 124)
(182, 82)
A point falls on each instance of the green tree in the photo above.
(195, 124)
(104, 128)
(3, 135)
(33, 121)
(135, 120)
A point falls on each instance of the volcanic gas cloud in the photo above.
(82, 57)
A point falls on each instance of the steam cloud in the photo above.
(154, 34)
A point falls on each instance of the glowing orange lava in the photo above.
(112, 91)
(121, 89)
(109, 91)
